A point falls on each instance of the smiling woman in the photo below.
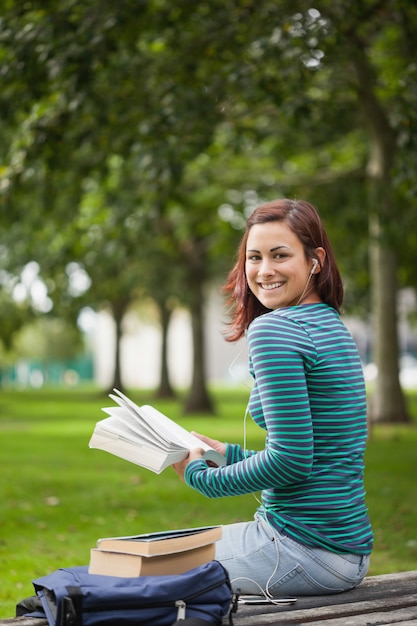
(311, 533)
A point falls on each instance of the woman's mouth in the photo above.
(269, 286)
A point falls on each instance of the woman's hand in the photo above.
(219, 446)
(196, 453)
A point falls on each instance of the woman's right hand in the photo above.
(219, 446)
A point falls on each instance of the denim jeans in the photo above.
(260, 558)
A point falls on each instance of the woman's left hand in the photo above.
(196, 453)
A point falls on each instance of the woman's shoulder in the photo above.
(273, 322)
(302, 322)
(314, 311)
(279, 333)
(294, 315)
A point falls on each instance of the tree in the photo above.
(310, 87)
(366, 32)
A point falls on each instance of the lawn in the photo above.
(59, 496)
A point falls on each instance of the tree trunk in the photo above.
(165, 389)
(387, 402)
(198, 400)
(118, 310)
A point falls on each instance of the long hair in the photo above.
(303, 219)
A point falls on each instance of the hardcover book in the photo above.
(126, 565)
(164, 542)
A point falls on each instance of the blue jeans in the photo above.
(260, 558)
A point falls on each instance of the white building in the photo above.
(141, 350)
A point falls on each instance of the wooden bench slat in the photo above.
(376, 619)
(390, 593)
(353, 614)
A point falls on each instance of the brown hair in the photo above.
(304, 220)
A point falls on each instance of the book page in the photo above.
(126, 424)
(135, 419)
(169, 429)
(179, 436)
(106, 428)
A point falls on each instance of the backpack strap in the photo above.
(71, 613)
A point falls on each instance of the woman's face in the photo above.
(276, 267)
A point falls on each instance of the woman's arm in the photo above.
(280, 352)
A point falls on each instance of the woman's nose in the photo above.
(266, 268)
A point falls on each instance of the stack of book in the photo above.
(152, 554)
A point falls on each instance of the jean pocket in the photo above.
(298, 581)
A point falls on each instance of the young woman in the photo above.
(311, 533)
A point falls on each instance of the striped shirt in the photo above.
(309, 396)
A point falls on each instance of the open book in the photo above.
(145, 436)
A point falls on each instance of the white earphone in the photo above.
(315, 264)
(313, 269)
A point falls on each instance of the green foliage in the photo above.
(49, 339)
(59, 497)
(154, 94)
(135, 136)
(14, 316)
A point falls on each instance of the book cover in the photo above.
(145, 436)
(164, 542)
(126, 565)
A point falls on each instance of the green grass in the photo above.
(58, 496)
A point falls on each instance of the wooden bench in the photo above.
(388, 599)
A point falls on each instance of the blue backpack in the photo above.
(73, 597)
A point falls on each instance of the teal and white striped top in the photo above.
(309, 396)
